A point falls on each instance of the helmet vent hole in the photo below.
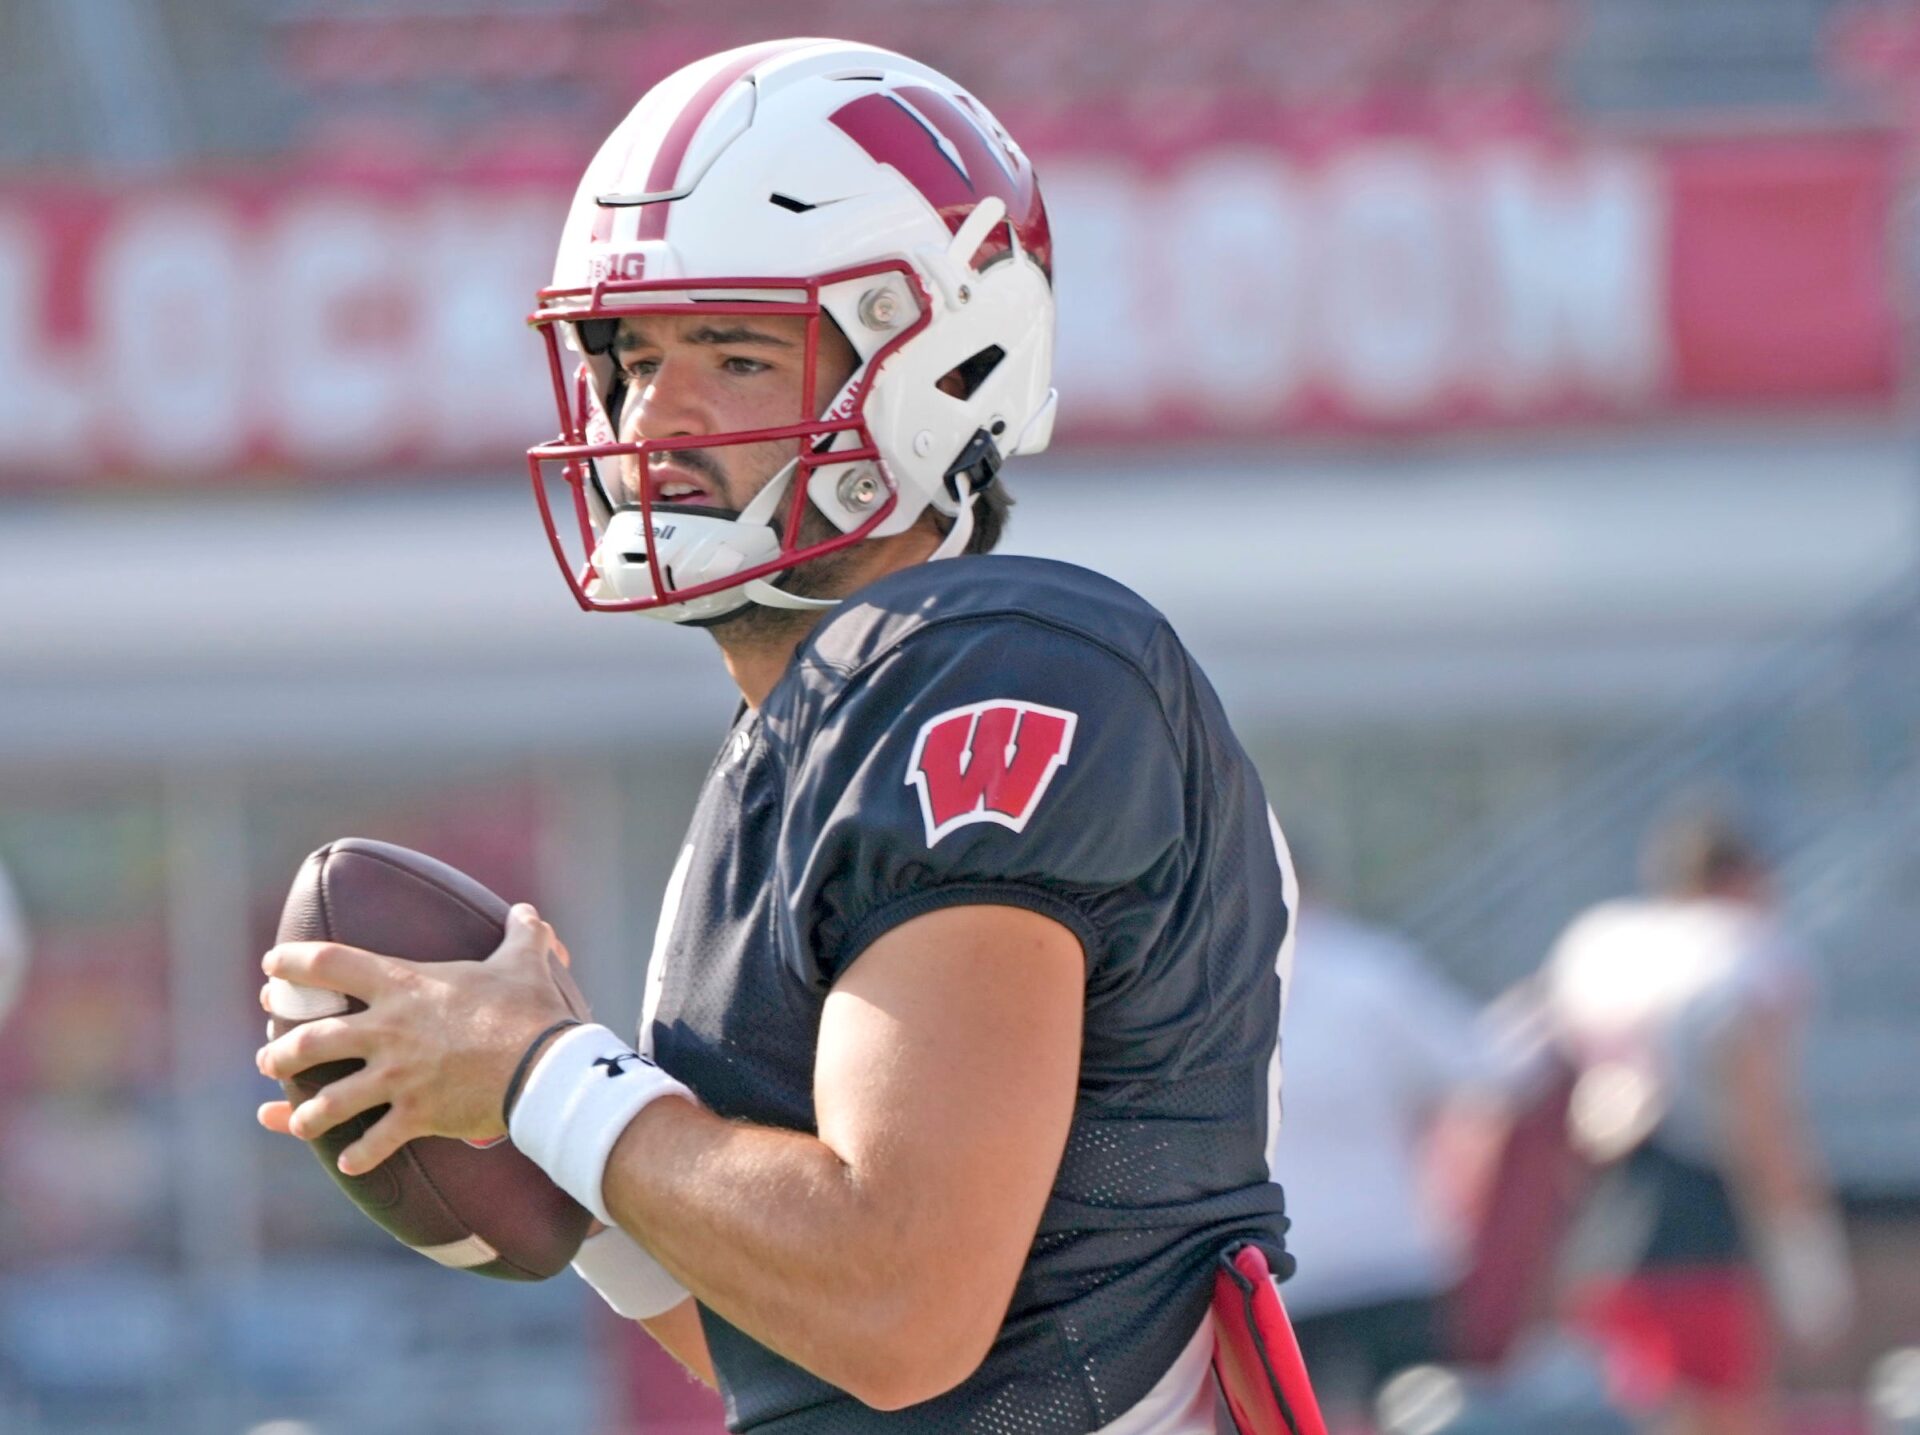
(787, 201)
(964, 379)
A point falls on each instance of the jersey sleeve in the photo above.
(1000, 762)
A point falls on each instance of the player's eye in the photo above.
(640, 368)
(740, 364)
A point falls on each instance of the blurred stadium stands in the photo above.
(1638, 58)
(1819, 742)
(1479, 605)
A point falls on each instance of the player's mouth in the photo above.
(670, 483)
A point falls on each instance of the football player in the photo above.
(959, 1059)
(14, 946)
(1680, 1009)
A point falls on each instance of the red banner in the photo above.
(1781, 276)
(1225, 288)
(202, 330)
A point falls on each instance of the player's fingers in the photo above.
(333, 1103)
(376, 1144)
(291, 1001)
(274, 1115)
(308, 1045)
(332, 965)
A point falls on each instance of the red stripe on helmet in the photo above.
(955, 179)
(665, 173)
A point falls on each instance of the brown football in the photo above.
(487, 1210)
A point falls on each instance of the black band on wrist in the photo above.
(519, 1077)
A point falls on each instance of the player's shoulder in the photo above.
(984, 629)
(988, 600)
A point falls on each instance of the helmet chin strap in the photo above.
(955, 543)
(760, 510)
(768, 596)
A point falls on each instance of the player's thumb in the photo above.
(527, 938)
(531, 941)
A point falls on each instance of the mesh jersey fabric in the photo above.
(1149, 840)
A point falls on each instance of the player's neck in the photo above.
(758, 645)
(756, 659)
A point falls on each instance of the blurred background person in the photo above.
(1711, 1225)
(13, 946)
(1389, 1083)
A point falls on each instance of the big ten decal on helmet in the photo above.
(987, 762)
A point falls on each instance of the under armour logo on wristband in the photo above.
(613, 1063)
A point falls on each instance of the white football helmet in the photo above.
(805, 177)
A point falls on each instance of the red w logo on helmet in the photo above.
(987, 762)
(955, 156)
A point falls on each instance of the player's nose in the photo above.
(671, 403)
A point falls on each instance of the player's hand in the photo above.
(276, 1116)
(439, 1040)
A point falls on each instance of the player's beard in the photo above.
(828, 576)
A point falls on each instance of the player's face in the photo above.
(693, 375)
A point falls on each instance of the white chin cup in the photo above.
(696, 548)
(693, 548)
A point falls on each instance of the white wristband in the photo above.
(582, 1093)
(627, 1278)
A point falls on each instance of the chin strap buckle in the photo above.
(979, 464)
(969, 476)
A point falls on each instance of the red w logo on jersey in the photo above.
(987, 762)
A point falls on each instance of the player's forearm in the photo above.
(679, 1333)
(1770, 1171)
(1768, 1151)
(777, 1234)
(637, 1287)
(1799, 1242)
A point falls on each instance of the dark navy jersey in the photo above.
(1023, 733)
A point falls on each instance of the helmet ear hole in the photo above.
(964, 379)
